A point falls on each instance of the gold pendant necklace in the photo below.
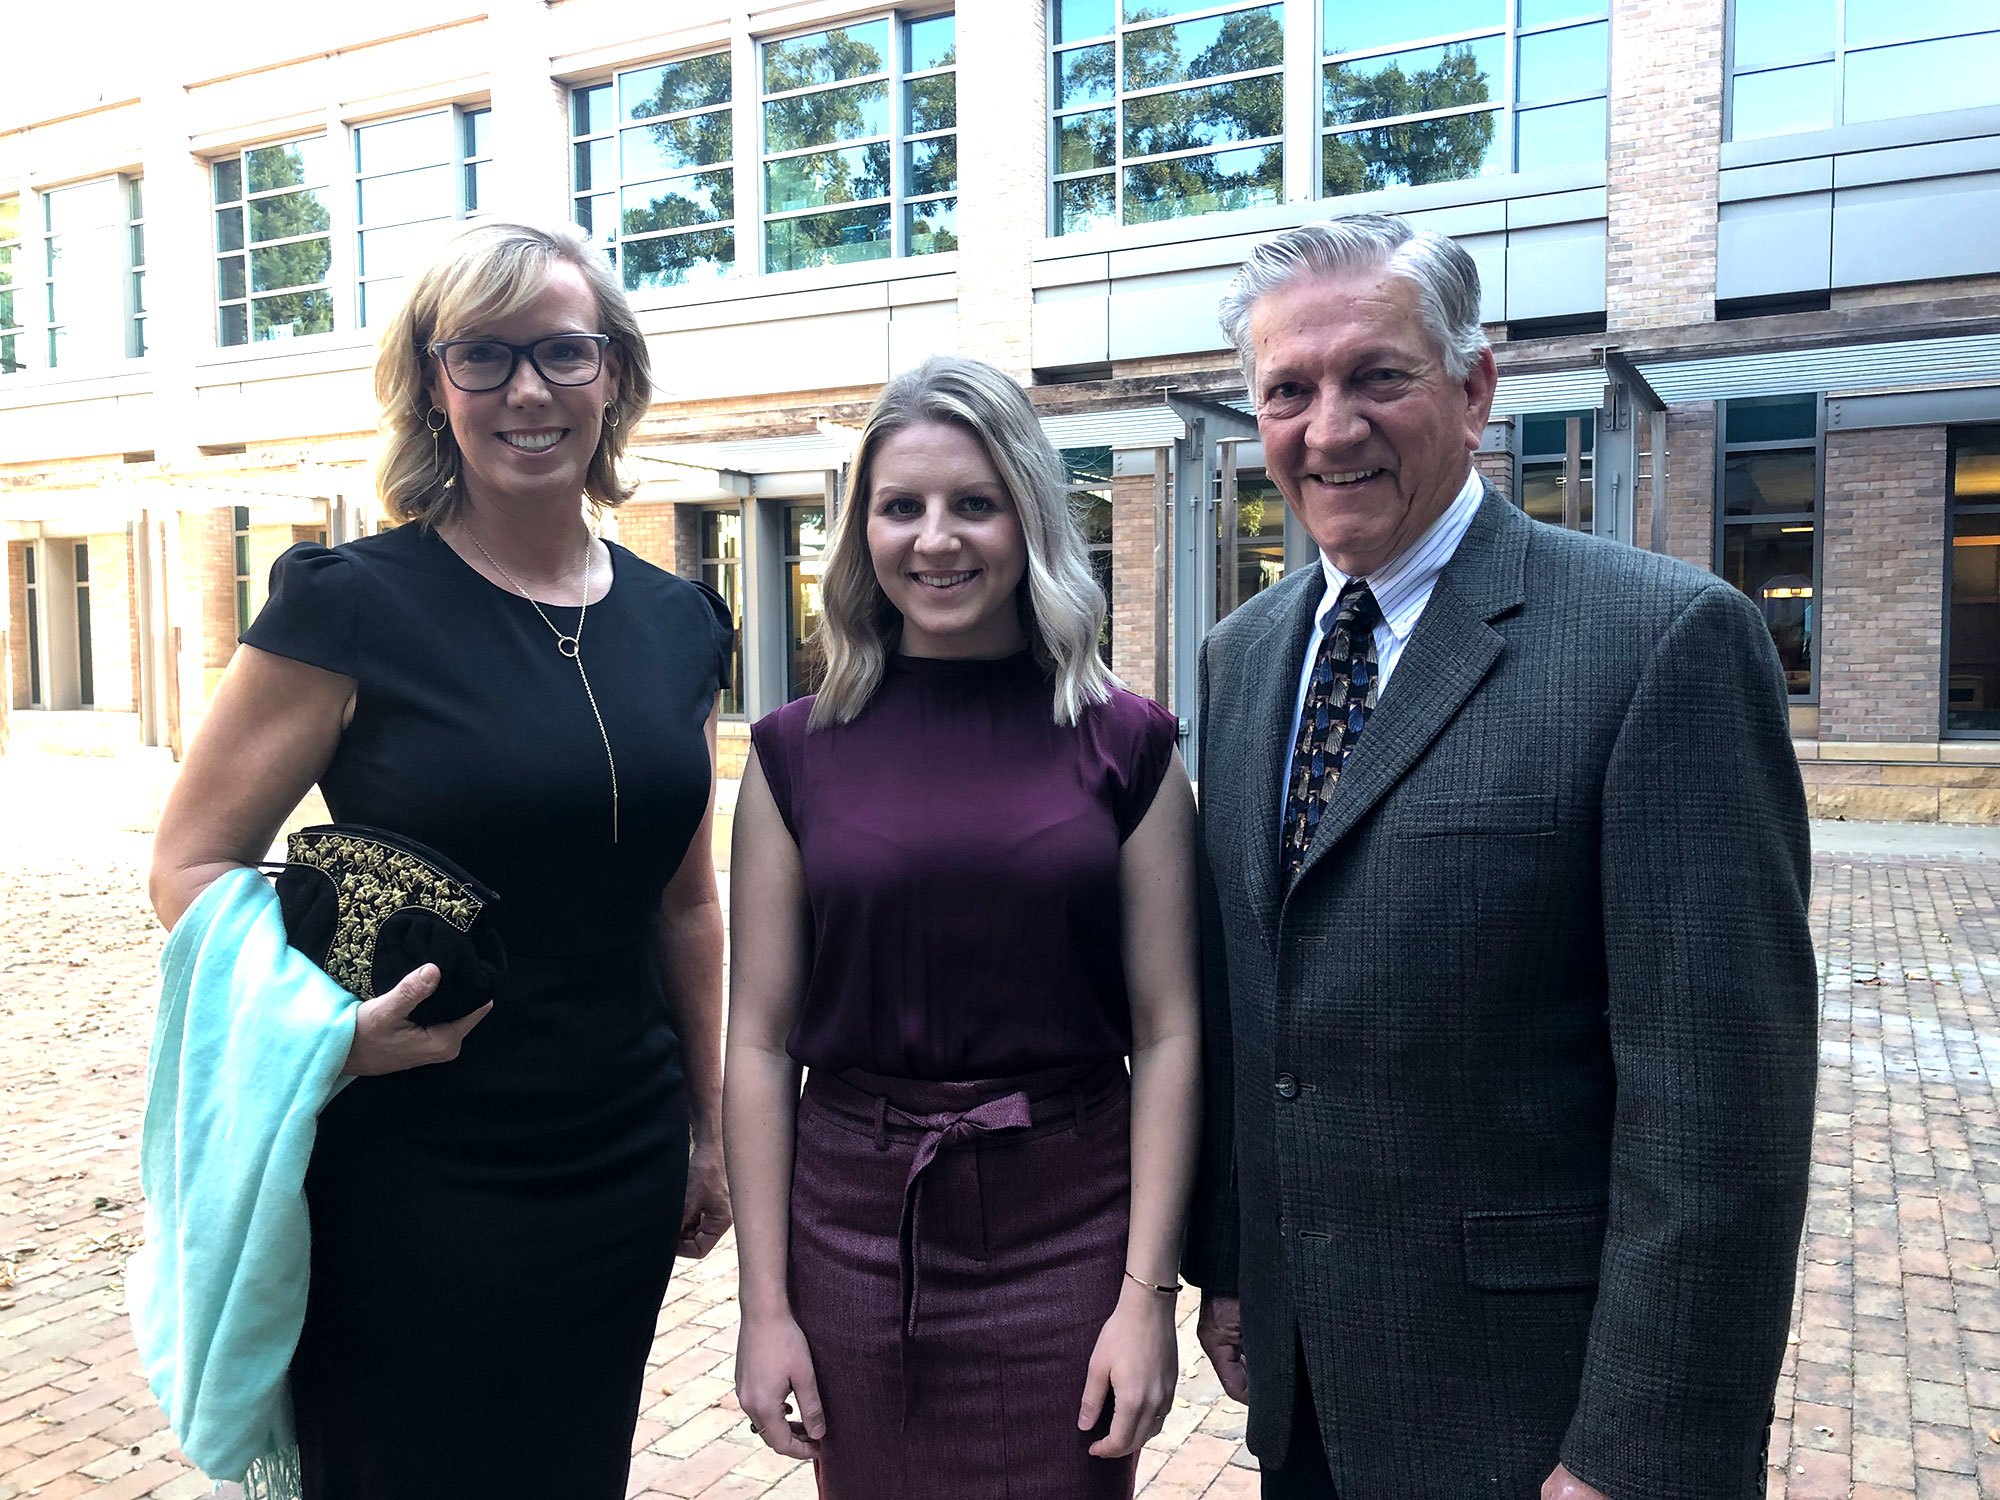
(570, 645)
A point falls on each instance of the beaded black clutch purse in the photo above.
(369, 906)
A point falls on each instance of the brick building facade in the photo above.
(1744, 296)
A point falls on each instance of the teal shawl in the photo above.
(247, 1049)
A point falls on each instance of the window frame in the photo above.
(1837, 56)
(1723, 522)
(1052, 49)
(613, 246)
(34, 291)
(1955, 434)
(1508, 107)
(794, 688)
(705, 561)
(458, 167)
(897, 76)
(336, 228)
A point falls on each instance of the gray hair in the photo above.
(1062, 608)
(1447, 281)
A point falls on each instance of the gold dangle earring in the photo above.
(436, 429)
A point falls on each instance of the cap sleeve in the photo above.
(779, 739)
(311, 614)
(724, 622)
(1141, 746)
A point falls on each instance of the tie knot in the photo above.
(1356, 605)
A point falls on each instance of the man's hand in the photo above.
(1219, 1326)
(1563, 1485)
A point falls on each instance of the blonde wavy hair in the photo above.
(1062, 608)
(484, 276)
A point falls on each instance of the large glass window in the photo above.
(1972, 681)
(273, 242)
(1256, 559)
(859, 150)
(1442, 90)
(72, 276)
(1159, 114)
(722, 570)
(135, 204)
(414, 178)
(239, 534)
(1800, 65)
(1767, 522)
(805, 562)
(32, 600)
(652, 170)
(1550, 443)
(1090, 502)
(13, 290)
(86, 685)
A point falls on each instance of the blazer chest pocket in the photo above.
(1440, 817)
(1548, 1251)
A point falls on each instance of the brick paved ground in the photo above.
(1892, 1387)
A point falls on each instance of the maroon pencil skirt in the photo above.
(956, 1249)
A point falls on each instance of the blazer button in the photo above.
(1288, 1086)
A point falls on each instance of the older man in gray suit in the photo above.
(1510, 994)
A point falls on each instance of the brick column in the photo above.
(1882, 563)
(1132, 581)
(1002, 162)
(1666, 134)
(649, 531)
(1690, 483)
(17, 620)
(1497, 469)
(217, 582)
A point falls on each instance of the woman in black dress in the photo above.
(496, 1202)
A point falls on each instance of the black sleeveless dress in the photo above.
(492, 1236)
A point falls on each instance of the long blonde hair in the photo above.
(485, 275)
(1062, 608)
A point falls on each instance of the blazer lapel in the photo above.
(1448, 655)
(1256, 727)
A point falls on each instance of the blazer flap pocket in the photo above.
(1433, 817)
(1547, 1251)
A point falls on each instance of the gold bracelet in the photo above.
(1154, 1286)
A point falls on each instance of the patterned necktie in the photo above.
(1339, 699)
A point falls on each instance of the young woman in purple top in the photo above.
(964, 895)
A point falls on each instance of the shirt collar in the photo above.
(1403, 587)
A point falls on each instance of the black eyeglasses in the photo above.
(475, 365)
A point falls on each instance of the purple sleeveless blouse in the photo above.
(961, 851)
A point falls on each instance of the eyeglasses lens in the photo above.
(482, 366)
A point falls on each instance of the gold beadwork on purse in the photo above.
(373, 881)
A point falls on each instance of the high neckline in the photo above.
(967, 668)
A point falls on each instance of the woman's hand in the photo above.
(705, 1212)
(1135, 1362)
(386, 1042)
(773, 1365)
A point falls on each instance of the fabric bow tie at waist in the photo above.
(1009, 1112)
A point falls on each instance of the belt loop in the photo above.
(881, 1122)
(1076, 1097)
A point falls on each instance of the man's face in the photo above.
(1364, 432)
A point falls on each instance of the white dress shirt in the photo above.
(1402, 588)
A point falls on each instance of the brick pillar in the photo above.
(17, 620)
(1132, 581)
(133, 624)
(1497, 469)
(648, 530)
(1666, 134)
(217, 581)
(1882, 562)
(1690, 483)
(1002, 156)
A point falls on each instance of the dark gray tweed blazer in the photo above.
(1510, 1098)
